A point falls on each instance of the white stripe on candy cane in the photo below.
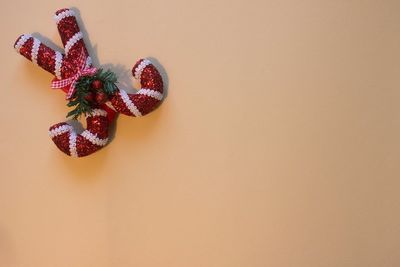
(71, 42)
(139, 69)
(58, 64)
(152, 93)
(72, 144)
(60, 130)
(129, 104)
(64, 14)
(92, 138)
(35, 50)
(97, 112)
(24, 38)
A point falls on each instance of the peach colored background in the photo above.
(277, 145)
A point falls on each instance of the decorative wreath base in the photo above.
(99, 107)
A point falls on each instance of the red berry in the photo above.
(101, 97)
(97, 84)
(89, 97)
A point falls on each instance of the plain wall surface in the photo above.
(278, 143)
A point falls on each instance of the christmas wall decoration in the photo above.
(90, 91)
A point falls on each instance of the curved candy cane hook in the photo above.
(89, 141)
(147, 98)
(95, 136)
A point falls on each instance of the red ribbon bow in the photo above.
(69, 83)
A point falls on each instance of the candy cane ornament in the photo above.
(75, 75)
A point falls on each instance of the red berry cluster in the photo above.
(96, 95)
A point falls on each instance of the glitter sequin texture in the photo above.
(26, 49)
(150, 79)
(46, 58)
(85, 147)
(98, 125)
(67, 28)
(62, 140)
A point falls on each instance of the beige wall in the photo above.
(278, 144)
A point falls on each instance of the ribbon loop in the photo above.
(69, 83)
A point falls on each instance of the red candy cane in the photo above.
(95, 136)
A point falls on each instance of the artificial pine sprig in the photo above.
(84, 87)
(109, 79)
